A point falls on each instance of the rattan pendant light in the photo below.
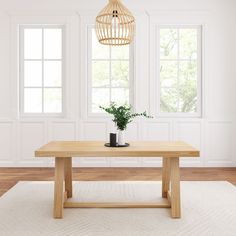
(115, 24)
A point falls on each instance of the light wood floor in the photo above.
(10, 176)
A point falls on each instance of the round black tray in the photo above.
(117, 145)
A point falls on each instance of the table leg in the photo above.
(58, 187)
(175, 187)
(165, 176)
(68, 176)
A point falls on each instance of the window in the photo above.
(41, 69)
(180, 70)
(110, 74)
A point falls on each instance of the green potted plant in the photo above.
(122, 116)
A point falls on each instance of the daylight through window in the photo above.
(110, 74)
(180, 70)
(41, 69)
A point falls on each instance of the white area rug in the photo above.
(208, 208)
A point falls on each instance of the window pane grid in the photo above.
(92, 87)
(118, 60)
(178, 60)
(178, 55)
(50, 75)
(42, 60)
(178, 82)
(41, 87)
(43, 70)
(110, 68)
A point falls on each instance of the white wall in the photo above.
(213, 134)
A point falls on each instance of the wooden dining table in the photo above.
(64, 151)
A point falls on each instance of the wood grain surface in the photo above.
(10, 176)
(97, 149)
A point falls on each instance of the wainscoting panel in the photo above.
(132, 133)
(123, 162)
(95, 131)
(92, 162)
(63, 131)
(219, 143)
(32, 135)
(190, 132)
(151, 162)
(157, 131)
(6, 142)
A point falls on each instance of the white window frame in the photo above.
(89, 74)
(197, 114)
(21, 70)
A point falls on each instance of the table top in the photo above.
(136, 149)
